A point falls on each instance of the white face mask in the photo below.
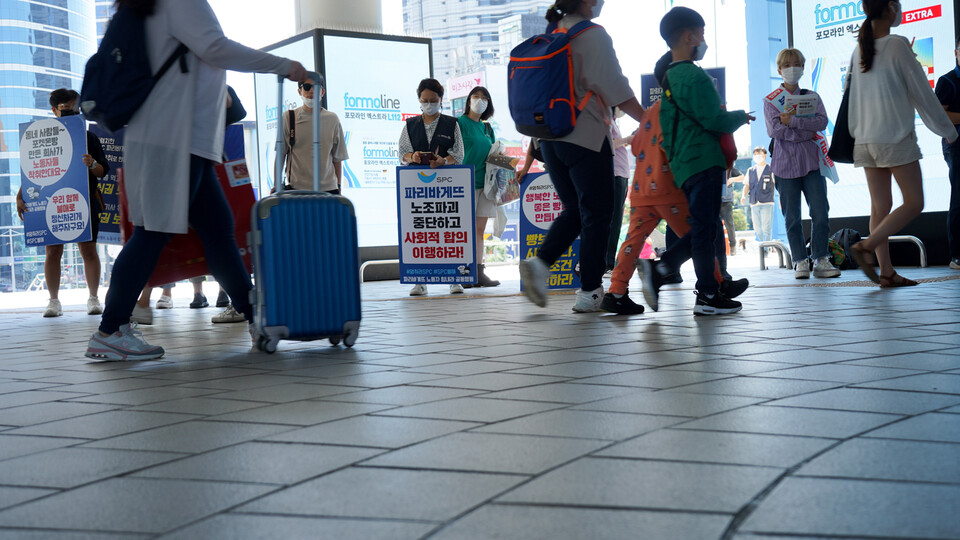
(430, 109)
(595, 10)
(307, 102)
(700, 51)
(479, 106)
(897, 16)
(791, 75)
(758, 158)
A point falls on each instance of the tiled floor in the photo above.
(816, 412)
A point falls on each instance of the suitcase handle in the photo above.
(278, 172)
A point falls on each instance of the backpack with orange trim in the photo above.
(540, 83)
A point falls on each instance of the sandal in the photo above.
(864, 259)
(895, 280)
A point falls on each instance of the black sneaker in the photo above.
(483, 280)
(621, 306)
(199, 301)
(652, 280)
(222, 299)
(718, 305)
(734, 288)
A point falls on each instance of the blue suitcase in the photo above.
(305, 260)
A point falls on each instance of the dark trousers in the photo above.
(953, 215)
(726, 214)
(703, 197)
(584, 182)
(211, 218)
(616, 220)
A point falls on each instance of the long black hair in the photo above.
(143, 8)
(868, 49)
(561, 8)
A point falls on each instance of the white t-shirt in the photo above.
(883, 99)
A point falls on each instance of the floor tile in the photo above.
(386, 493)
(870, 400)
(262, 463)
(133, 504)
(885, 459)
(102, 425)
(939, 383)
(12, 446)
(71, 467)
(792, 421)
(261, 527)
(582, 424)
(301, 413)
(544, 523)
(562, 393)
(374, 431)
(488, 453)
(191, 437)
(843, 373)
(760, 387)
(493, 381)
(619, 483)
(655, 378)
(11, 496)
(858, 508)
(927, 427)
(471, 409)
(719, 447)
(402, 395)
(669, 403)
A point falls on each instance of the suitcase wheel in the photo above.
(351, 336)
(335, 340)
(266, 344)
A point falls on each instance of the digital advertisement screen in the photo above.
(826, 33)
(372, 87)
(302, 51)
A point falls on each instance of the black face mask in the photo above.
(68, 112)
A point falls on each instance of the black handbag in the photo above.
(842, 142)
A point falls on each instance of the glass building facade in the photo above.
(44, 45)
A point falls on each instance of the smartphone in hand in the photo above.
(427, 157)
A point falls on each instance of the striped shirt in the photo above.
(795, 153)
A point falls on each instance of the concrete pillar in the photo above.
(360, 15)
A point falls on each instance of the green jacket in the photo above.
(696, 148)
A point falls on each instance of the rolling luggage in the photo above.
(305, 258)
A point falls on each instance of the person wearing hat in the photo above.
(691, 115)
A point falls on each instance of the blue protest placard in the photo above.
(437, 232)
(112, 144)
(539, 207)
(54, 181)
(650, 91)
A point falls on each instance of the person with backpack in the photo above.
(434, 139)
(580, 162)
(692, 120)
(298, 158)
(797, 168)
(171, 143)
(63, 102)
(886, 85)
(478, 139)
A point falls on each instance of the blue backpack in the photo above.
(118, 78)
(540, 86)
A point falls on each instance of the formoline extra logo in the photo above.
(381, 103)
(837, 14)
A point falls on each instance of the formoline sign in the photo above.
(54, 181)
(437, 233)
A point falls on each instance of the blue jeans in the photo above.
(616, 219)
(814, 188)
(762, 221)
(703, 198)
(953, 215)
(584, 181)
(211, 218)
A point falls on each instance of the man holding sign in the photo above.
(63, 102)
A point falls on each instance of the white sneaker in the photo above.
(141, 315)
(456, 288)
(165, 302)
(533, 276)
(802, 269)
(823, 268)
(228, 315)
(588, 301)
(93, 306)
(955, 264)
(54, 309)
(418, 290)
(125, 344)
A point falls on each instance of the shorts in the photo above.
(484, 207)
(95, 211)
(886, 155)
